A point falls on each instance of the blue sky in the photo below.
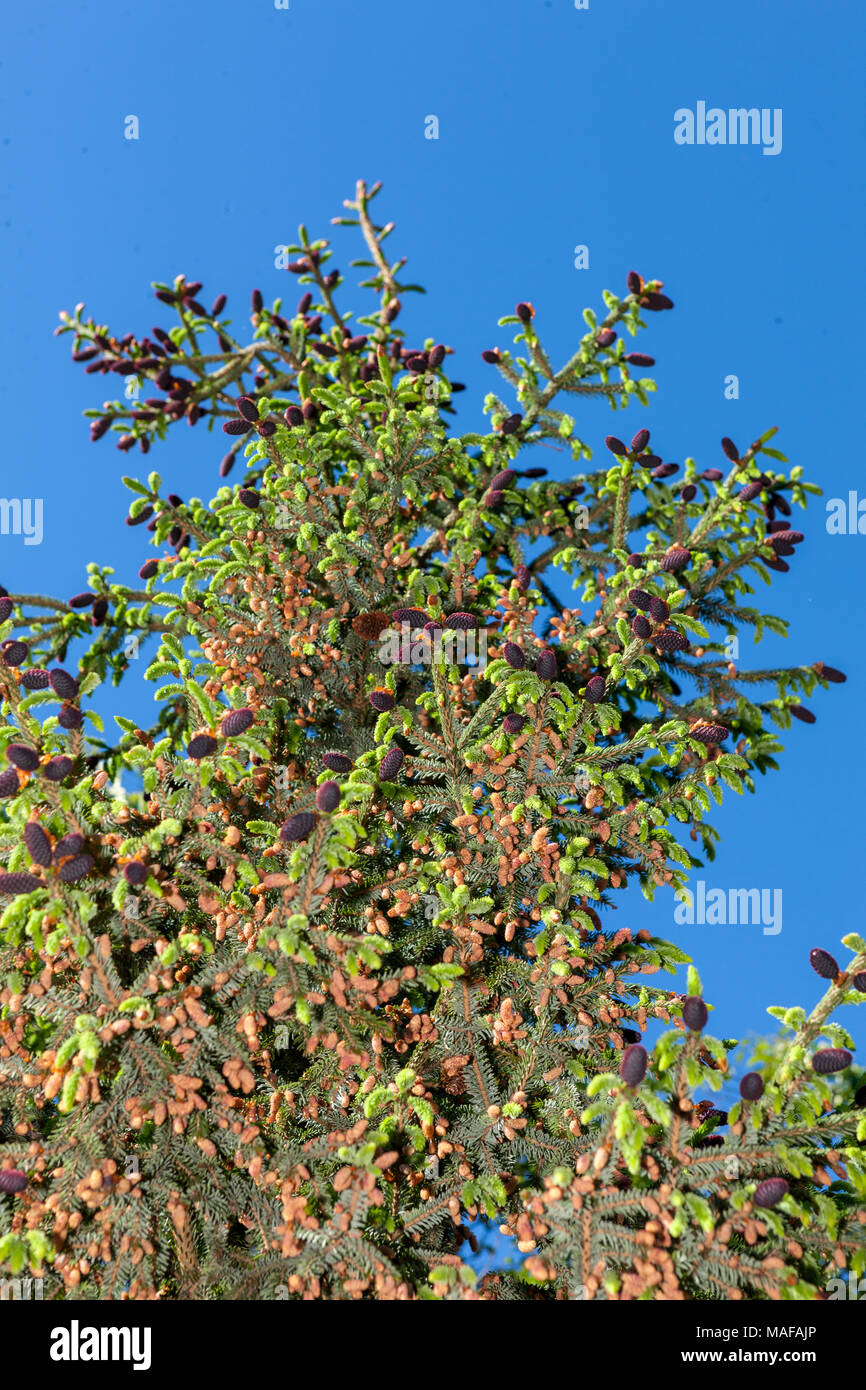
(556, 129)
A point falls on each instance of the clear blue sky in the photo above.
(555, 129)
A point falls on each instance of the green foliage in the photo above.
(286, 1019)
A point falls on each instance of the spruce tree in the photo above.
(340, 975)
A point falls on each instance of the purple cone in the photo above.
(461, 622)
(201, 746)
(823, 963)
(9, 784)
(297, 827)
(63, 685)
(751, 490)
(769, 1192)
(76, 868)
(676, 559)
(236, 722)
(12, 1181)
(545, 666)
(382, 699)
(414, 616)
(328, 796)
(633, 1066)
(34, 678)
(784, 538)
(14, 654)
(337, 762)
(656, 302)
(38, 844)
(391, 764)
(752, 1086)
(671, 641)
(21, 756)
(57, 768)
(695, 1013)
(68, 847)
(13, 884)
(830, 1059)
(709, 733)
